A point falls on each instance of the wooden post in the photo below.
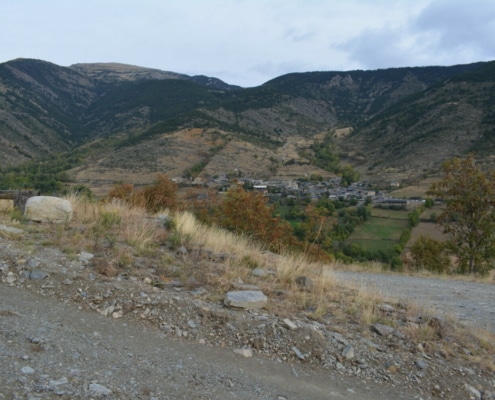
(19, 197)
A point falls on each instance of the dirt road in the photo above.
(470, 302)
(51, 349)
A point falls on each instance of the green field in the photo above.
(382, 231)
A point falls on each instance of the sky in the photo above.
(248, 42)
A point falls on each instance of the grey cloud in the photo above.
(378, 48)
(445, 32)
(297, 36)
(460, 24)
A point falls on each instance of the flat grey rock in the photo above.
(248, 299)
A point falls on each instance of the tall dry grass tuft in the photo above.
(113, 222)
(216, 239)
(85, 210)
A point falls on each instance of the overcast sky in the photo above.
(248, 42)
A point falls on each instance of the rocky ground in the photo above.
(69, 330)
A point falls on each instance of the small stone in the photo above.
(85, 257)
(372, 345)
(107, 311)
(27, 370)
(99, 390)
(244, 352)
(260, 272)
(348, 352)
(289, 324)
(37, 275)
(298, 353)
(339, 338)
(59, 382)
(386, 307)
(33, 263)
(392, 369)
(398, 335)
(421, 364)
(10, 278)
(191, 324)
(182, 250)
(382, 330)
(473, 392)
(198, 292)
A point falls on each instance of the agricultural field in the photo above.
(382, 231)
(427, 226)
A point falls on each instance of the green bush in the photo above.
(430, 254)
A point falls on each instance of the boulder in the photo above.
(48, 209)
(248, 299)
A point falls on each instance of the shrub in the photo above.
(159, 196)
(248, 213)
(121, 192)
(429, 254)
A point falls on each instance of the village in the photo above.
(358, 193)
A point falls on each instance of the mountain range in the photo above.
(123, 123)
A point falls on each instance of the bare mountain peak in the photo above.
(124, 72)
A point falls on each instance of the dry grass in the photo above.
(247, 255)
(215, 239)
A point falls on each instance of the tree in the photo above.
(429, 254)
(469, 214)
(249, 213)
(349, 175)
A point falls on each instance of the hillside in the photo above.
(449, 119)
(125, 122)
(154, 295)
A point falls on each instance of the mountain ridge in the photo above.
(47, 109)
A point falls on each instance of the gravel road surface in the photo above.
(470, 302)
(50, 349)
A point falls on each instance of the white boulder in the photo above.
(48, 209)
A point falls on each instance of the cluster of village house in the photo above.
(331, 189)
